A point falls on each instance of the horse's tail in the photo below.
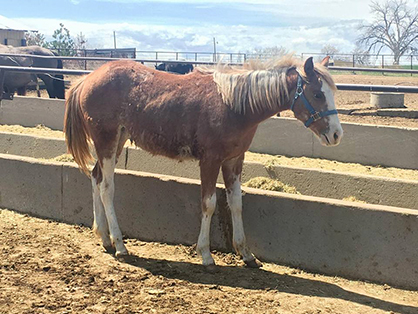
(58, 83)
(76, 130)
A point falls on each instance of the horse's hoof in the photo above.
(109, 249)
(254, 263)
(121, 254)
(126, 258)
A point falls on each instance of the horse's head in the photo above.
(313, 102)
(160, 67)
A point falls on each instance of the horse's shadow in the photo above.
(259, 279)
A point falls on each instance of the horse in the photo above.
(209, 115)
(180, 68)
(18, 81)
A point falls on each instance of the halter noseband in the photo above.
(315, 115)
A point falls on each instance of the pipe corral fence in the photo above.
(360, 59)
(350, 87)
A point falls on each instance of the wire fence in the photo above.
(369, 60)
(342, 60)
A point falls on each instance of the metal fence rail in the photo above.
(358, 59)
(335, 68)
(347, 87)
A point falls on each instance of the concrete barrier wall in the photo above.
(375, 190)
(366, 242)
(366, 144)
(32, 111)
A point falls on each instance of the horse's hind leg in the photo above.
(105, 187)
(49, 84)
(231, 171)
(21, 91)
(100, 225)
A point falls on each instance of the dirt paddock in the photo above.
(51, 267)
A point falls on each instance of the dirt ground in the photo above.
(51, 267)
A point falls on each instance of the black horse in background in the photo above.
(14, 81)
(180, 68)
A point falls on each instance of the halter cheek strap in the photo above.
(315, 115)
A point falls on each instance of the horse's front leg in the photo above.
(209, 171)
(231, 171)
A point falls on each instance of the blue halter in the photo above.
(315, 115)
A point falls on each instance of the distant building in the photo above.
(11, 32)
(12, 37)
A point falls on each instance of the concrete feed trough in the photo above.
(371, 189)
(387, 100)
(365, 144)
(367, 242)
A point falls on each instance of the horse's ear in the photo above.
(325, 62)
(309, 67)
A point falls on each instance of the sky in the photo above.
(186, 25)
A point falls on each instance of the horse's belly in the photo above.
(158, 144)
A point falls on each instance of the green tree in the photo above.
(34, 38)
(63, 44)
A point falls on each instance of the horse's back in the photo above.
(162, 112)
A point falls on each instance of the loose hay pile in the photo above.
(353, 199)
(270, 184)
(64, 158)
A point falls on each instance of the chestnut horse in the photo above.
(208, 115)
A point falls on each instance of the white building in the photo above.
(11, 32)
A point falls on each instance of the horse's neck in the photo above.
(258, 117)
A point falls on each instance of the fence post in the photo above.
(177, 56)
(412, 66)
(156, 55)
(354, 60)
(85, 61)
(383, 61)
(2, 74)
(195, 56)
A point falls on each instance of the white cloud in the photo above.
(237, 38)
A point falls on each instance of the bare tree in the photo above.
(395, 27)
(269, 52)
(360, 56)
(330, 50)
(80, 41)
(34, 38)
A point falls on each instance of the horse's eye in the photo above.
(318, 95)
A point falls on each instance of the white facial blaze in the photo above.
(335, 132)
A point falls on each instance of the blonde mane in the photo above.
(259, 86)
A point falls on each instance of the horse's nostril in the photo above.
(335, 136)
